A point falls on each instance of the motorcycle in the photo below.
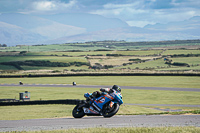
(106, 105)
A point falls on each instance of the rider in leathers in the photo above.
(97, 94)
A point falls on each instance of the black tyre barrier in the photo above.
(42, 102)
(178, 73)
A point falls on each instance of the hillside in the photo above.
(176, 56)
(69, 28)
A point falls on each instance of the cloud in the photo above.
(134, 12)
(38, 6)
(141, 12)
(47, 6)
(44, 5)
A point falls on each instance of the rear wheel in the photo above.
(78, 112)
(110, 111)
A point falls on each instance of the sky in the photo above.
(134, 12)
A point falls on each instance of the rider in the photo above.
(97, 94)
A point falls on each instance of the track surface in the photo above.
(103, 86)
(85, 122)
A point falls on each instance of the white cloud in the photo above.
(46, 6)
(140, 12)
(114, 6)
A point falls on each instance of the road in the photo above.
(103, 86)
(85, 122)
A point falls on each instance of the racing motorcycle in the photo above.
(106, 105)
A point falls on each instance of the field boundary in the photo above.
(100, 74)
(42, 102)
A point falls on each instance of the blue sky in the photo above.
(134, 12)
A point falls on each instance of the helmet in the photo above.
(117, 88)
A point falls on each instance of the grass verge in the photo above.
(144, 81)
(189, 129)
(129, 95)
(63, 111)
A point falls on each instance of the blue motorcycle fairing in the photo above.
(90, 110)
(97, 104)
(118, 97)
(86, 95)
(102, 100)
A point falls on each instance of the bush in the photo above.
(135, 59)
(43, 63)
(179, 64)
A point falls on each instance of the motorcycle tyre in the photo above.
(80, 114)
(114, 111)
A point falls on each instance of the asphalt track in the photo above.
(103, 86)
(87, 122)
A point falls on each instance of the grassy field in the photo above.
(60, 111)
(119, 60)
(124, 130)
(145, 81)
(185, 52)
(189, 60)
(129, 96)
(50, 58)
(84, 53)
(62, 59)
(192, 68)
(139, 52)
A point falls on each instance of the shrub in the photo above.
(135, 59)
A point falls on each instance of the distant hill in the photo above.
(132, 34)
(91, 22)
(11, 34)
(44, 27)
(64, 28)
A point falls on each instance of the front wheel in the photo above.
(110, 111)
(78, 112)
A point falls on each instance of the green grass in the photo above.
(52, 54)
(146, 65)
(129, 95)
(188, 60)
(53, 93)
(63, 111)
(35, 112)
(181, 68)
(139, 52)
(7, 67)
(50, 58)
(61, 69)
(185, 52)
(59, 111)
(145, 81)
(46, 58)
(70, 53)
(186, 129)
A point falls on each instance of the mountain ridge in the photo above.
(27, 29)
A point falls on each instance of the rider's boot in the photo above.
(88, 101)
